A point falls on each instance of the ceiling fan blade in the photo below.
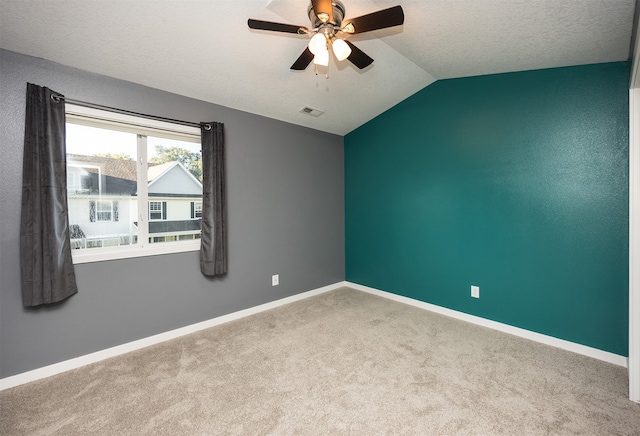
(358, 58)
(323, 10)
(376, 20)
(277, 27)
(303, 61)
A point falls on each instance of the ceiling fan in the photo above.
(328, 32)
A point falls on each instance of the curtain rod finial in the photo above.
(57, 98)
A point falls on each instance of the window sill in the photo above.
(103, 254)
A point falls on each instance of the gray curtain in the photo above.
(213, 245)
(45, 251)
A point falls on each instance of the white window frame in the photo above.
(98, 211)
(196, 211)
(162, 217)
(143, 127)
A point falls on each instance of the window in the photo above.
(196, 209)
(134, 185)
(104, 211)
(157, 210)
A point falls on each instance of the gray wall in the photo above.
(285, 211)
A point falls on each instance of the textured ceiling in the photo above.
(204, 49)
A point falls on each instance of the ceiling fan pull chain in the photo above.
(326, 74)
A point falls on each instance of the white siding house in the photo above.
(103, 203)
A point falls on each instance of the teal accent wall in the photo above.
(517, 183)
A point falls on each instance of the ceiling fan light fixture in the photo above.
(318, 43)
(322, 58)
(341, 49)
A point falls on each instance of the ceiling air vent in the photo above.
(311, 111)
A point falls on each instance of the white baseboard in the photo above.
(67, 365)
(595, 353)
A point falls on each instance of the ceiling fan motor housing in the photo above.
(336, 21)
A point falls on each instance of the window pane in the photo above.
(101, 187)
(175, 176)
(105, 210)
(155, 210)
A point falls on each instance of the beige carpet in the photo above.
(344, 362)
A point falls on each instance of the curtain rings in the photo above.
(207, 126)
(57, 98)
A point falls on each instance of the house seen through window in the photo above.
(131, 187)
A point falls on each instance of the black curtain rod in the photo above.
(58, 97)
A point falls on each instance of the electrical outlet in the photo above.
(275, 280)
(475, 291)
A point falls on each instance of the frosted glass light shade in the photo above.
(322, 58)
(341, 49)
(318, 43)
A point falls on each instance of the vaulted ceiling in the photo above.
(205, 50)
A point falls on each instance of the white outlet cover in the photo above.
(275, 280)
(475, 291)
